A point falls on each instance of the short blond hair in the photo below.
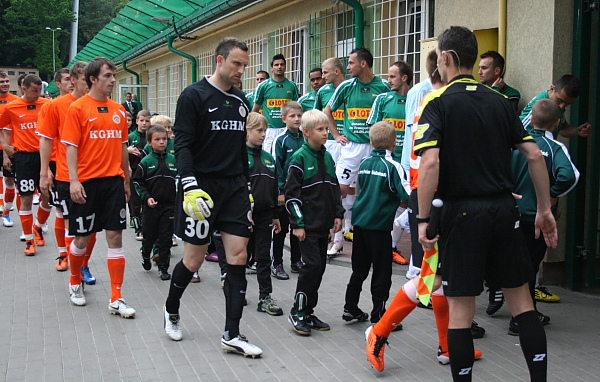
(256, 120)
(313, 117)
(334, 63)
(161, 118)
(382, 135)
(289, 105)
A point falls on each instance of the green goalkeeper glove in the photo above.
(196, 202)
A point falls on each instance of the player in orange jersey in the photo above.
(21, 143)
(95, 133)
(54, 176)
(7, 195)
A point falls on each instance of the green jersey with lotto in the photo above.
(271, 95)
(356, 98)
(321, 100)
(308, 101)
(391, 107)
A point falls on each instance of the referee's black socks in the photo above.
(235, 293)
(179, 281)
(533, 343)
(461, 349)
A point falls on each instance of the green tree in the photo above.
(93, 17)
(30, 42)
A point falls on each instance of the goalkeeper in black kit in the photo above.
(213, 190)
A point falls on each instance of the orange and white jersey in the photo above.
(21, 118)
(50, 125)
(98, 129)
(5, 101)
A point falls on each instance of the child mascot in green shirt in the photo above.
(314, 204)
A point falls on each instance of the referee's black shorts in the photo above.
(480, 239)
(230, 212)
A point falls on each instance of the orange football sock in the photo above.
(442, 317)
(59, 232)
(1, 191)
(400, 307)
(68, 239)
(88, 250)
(27, 223)
(116, 269)
(9, 194)
(43, 214)
(76, 259)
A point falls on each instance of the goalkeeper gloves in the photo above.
(196, 202)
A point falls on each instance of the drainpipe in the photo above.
(137, 76)
(359, 16)
(185, 55)
(502, 27)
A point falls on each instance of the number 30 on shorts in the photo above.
(196, 228)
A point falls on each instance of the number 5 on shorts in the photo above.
(346, 173)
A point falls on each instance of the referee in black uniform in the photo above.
(465, 135)
(210, 147)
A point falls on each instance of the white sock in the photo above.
(348, 203)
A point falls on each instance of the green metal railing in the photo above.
(331, 33)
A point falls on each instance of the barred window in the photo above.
(399, 27)
(290, 41)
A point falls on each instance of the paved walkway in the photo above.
(45, 338)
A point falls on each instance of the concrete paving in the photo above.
(45, 338)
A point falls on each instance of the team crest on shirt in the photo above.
(116, 119)
(122, 213)
(242, 111)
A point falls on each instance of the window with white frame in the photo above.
(152, 90)
(205, 64)
(258, 48)
(162, 106)
(174, 88)
(398, 28)
(291, 42)
(184, 76)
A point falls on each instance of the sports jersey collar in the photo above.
(256, 151)
(539, 133)
(207, 78)
(312, 150)
(157, 155)
(463, 78)
(379, 153)
(367, 83)
(294, 135)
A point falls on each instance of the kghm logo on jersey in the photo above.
(358, 112)
(28, 125)
(399, 124)
(276, 102)
(101, 134)
(228, 125)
